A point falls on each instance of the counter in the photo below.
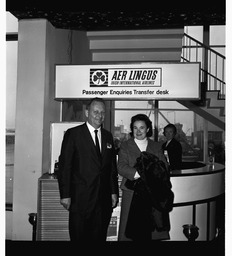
(196, 192)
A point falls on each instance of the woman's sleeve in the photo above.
(124, 168)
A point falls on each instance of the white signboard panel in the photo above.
(57, 131)
(129, 81)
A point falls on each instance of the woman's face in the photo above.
(140, 130)
(169, 133)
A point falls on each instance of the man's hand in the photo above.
(114, 200)
(66, 202)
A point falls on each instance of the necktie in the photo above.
(97, 144)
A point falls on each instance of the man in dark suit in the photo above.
(172, 148)
(88, 180)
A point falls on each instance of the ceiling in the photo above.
(163, 16)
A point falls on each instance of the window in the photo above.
(168, 112)
(190, 126)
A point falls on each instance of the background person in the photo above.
(173, 147)
(87, 178)
(130, 150)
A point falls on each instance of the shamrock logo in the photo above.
(99, 77)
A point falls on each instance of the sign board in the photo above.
(129, 81)
(57, 131)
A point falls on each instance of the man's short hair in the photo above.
(95, 100)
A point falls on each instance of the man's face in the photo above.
(96, 114)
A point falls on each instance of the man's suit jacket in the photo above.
(82, 176)
(174, 149)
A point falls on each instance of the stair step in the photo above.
(214, 101)
(136, 45)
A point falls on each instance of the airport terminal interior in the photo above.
(42, 43)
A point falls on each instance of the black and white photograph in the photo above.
(109, 110)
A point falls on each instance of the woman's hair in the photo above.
(172, 126)
(141, 117)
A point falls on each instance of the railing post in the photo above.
(213, 81)
(206, 42)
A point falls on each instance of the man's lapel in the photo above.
(103, 142)
(88, 136)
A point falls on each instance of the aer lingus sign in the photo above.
(129, 81)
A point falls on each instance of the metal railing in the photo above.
(212, 63)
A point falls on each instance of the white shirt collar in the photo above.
(142, 144)
(91, 128)
(168, 142)
(144, 141)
